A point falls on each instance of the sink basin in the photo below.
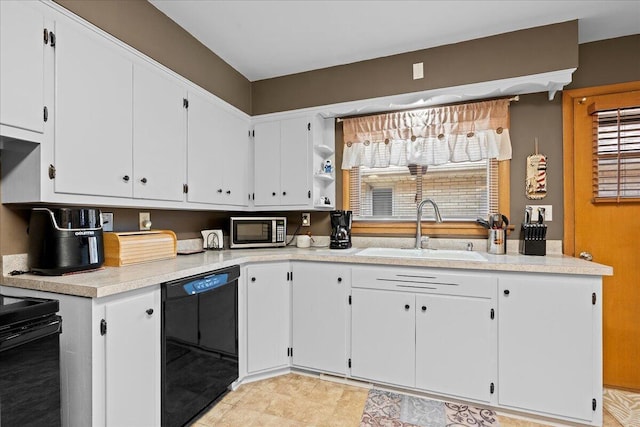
(446, 254)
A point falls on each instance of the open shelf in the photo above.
(323, 150)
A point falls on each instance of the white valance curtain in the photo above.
(432, 136)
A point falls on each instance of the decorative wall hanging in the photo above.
(536, 182)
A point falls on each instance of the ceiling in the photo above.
(263, 39)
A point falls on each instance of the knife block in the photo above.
(533, 239)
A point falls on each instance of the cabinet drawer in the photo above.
(425, 280)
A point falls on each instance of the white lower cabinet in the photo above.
(132, 361)
(319, 321)
(268, 316)
(429, 329)
(109, 371)
(456, 333)
(550, 359)
(383, 336)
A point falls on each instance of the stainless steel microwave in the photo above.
(258, 232)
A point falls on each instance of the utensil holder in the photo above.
(533, 239)
(497, 241)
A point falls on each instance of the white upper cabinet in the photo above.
(283, 163)
(218, 150)
(22, 44)
(93, 117)
(295, 147)
(159, 136)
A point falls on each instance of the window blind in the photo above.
(616, 155)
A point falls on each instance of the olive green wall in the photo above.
(605, 62)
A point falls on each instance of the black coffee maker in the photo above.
(340, 230)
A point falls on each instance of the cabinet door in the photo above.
(267, 164)
(21, 65)
(268, 300)
(546, 348)
(159, 136)
(132, 358)
(320, 316)
(93, 132)
(295, 162)
(455, 346)
(204, 158)
(234, 143)
(383, 336)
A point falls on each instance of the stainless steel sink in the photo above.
(445, 254)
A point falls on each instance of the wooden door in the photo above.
(610, 232)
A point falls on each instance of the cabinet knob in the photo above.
(219, 190)
(339, 279)
(143, 180)
(407, 306)
(125, 178)
(228, 191)
(284, 193)
(506, 292)
(150, 311)
(424, 308)
(253, 279)
(273, 194)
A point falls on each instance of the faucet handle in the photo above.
(424, 242)
(470, 246)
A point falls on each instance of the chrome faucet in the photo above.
(419, 220)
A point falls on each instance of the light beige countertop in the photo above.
(113, 280)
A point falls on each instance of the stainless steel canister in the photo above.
(497, 241)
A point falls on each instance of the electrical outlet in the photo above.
(107, 221)
(548, 212)
(306, 219)
(144, 221)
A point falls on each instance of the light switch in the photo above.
(418, 71)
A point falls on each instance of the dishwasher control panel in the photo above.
(205, 284)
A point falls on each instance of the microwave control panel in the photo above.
(280, 231)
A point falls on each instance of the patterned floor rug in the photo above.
(387, 409)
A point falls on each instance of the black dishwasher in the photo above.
(199, 343)
(29, 362)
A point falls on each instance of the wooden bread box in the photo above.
(133, 247)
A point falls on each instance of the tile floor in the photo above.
(296, 400)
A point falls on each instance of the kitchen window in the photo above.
(456, 155)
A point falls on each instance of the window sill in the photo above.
(431, 229)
